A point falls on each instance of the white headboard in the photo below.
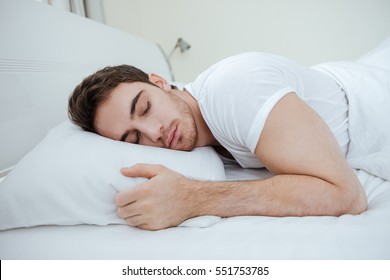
(44, 54)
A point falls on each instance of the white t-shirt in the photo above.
(237, 94)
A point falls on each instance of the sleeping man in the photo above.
(260, 110)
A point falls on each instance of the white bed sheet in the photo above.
(365, 236)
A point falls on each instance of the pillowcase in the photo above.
(72, 176)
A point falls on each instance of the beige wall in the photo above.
(308, 31)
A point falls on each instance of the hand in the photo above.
(158, 203)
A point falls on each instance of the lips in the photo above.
(173, 137)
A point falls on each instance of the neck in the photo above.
(205, 137)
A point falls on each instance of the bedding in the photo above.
(366, 83)
(72, 176)
(364, 236)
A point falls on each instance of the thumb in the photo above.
(143, 170)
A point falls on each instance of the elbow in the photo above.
(359, 205)
(354, 200)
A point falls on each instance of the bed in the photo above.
(46, 52)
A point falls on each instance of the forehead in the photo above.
(125, 89)
(119, 99)
(113, 113)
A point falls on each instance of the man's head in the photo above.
(124, 103)
(96, 88)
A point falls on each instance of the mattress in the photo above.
(363, 236)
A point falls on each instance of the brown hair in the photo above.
(96, 88)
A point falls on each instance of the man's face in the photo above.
(145, 114)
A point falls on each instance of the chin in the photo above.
(186, 148)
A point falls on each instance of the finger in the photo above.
(152, 226)
(148, 227)
(127, 211)
(135, 221)
(143, 170)
(126, 197)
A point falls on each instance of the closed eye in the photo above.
(147, 109)
(124, 136)
(137, 137)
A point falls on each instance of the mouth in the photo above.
(173, 137)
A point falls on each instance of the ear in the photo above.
(159, 81)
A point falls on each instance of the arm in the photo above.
(311, 178)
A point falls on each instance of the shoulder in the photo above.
(237, 72)
(242, 65)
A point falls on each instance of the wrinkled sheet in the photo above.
(366, 83)
(364, 236)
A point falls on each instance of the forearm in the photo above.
(168, 198)
(281, 195)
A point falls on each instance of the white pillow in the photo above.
(72, 176)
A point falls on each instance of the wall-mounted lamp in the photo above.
(183, 45)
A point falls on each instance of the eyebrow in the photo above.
(132, 111)
(134, 103)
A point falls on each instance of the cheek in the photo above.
(168, 111)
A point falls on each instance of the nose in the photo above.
(152, 134)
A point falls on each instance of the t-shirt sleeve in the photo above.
(239, 95)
